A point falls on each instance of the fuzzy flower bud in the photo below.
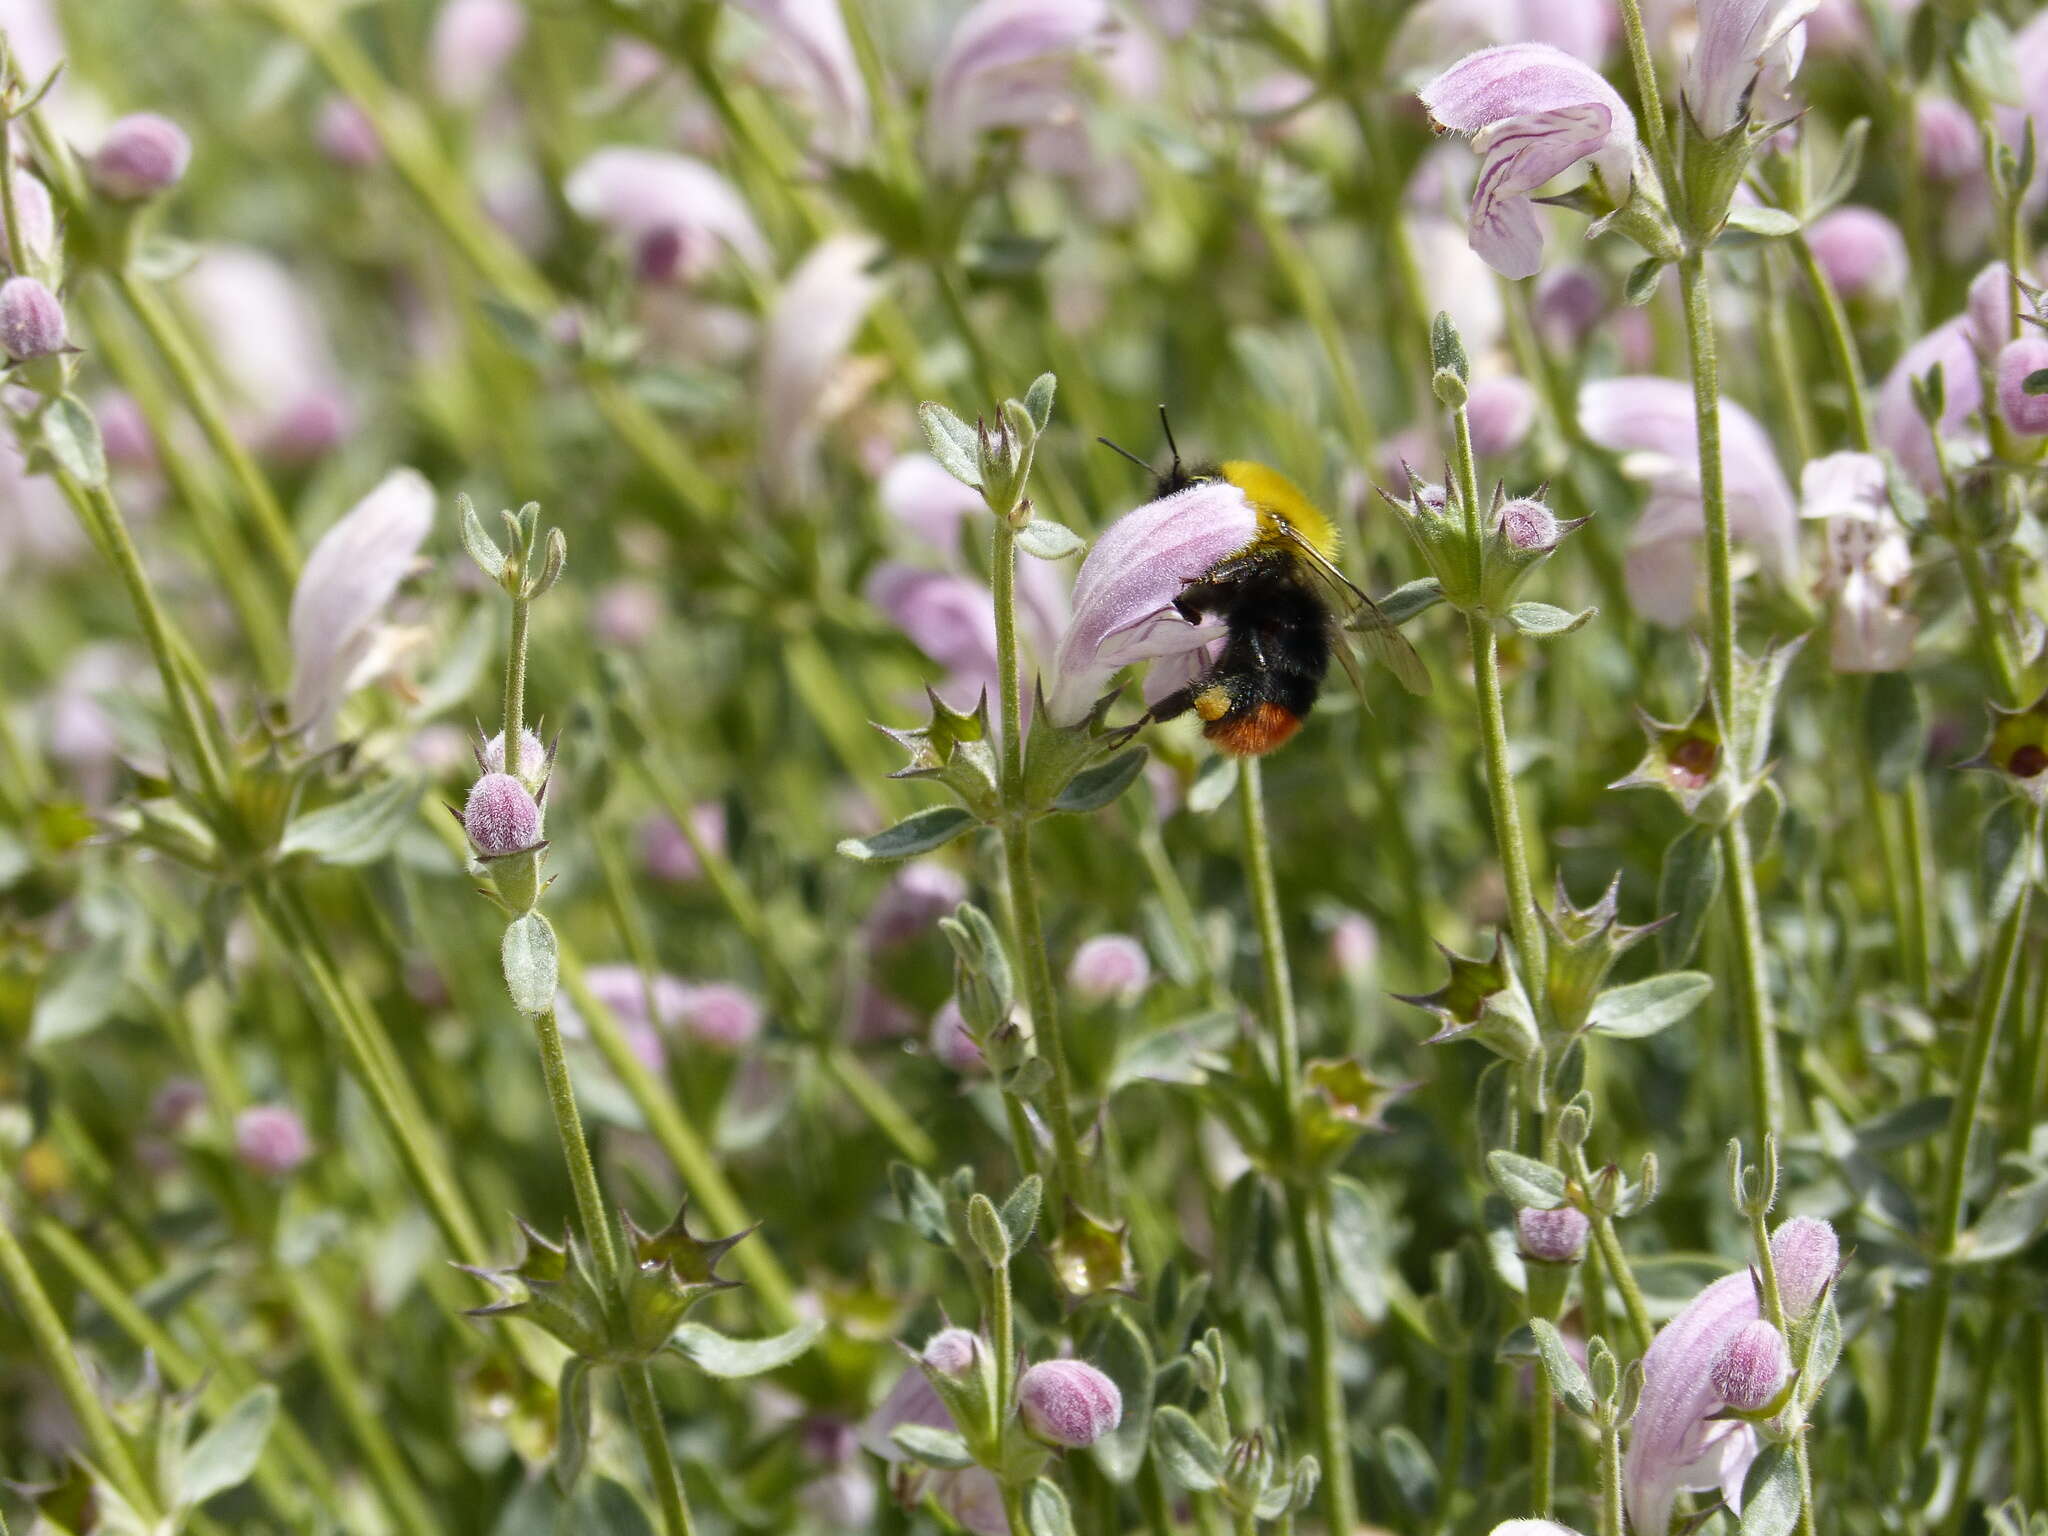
(918, 896)
(1529, 525)
(501, 816)
(1949, 146)
(38, 218)
(31, 320)
(533, 758)
(1990, 311)
(271, 1140)
(1553, 1237)
(2025, 410)
(1110, 965)
(952, 1352)
(952, 1044)
(1068, 1402)
(1806, 1253)
(1752, 1368)
(142, 156)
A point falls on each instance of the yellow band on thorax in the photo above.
(1275, 497)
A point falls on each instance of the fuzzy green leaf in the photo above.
(1525, 1181)
(1645, 1007)
(919, 832)
(720, 1355)
(531, 963)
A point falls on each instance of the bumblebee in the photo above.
(1286, 610)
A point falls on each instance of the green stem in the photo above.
(1360, 433)
(1458, 1411)
(590, 1206)
(1610, 1440)
(645, 1411)
(1994, 632)
(2001, 966)
(32, 1304)
(1304, 1212)
(1766, 1095)
(1013, 1509)
(1841, 343)
(1785, 380)
(515, 679)
(1648, 96)
(1609, 1243)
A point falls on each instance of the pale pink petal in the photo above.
(1900, 428)
(1744, 47)
(814, 321)
(813, 33)
(1005, 65)
(640, 193)
(1674, 1446)
(927, 502)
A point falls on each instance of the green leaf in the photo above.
(226, 1454)
(1525, 1181)
(1044, 539)
(1686, 888)
(483, 549)
(1119, 1350)
(2014, 1219)
(941, 1448)
(1645, 1007)
(1411, 598)
(1038, 399)
(1988, 61)
(1848, 166)
(79, 993)
(1045, 1510)
(572, 1438)
(160, 259)
(1543, 621)
(1567, 1378)
(923, 1206)
(952, 442)
(1020, 1212)
(919, 832)
(1770, 1494)
(1641, 284)
(1093, 788)
(1894, 728)
(1447, 347)
(359, 830)
(1190, 1457)
(1410, 1467)
(1764, 223)
(530, 961)
(72, 436)
(1358, 1239)
(2035, 383)
(717, 1354)
(2007, 861)
(1213, 784)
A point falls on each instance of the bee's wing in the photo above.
(1361, 616)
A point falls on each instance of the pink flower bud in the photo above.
(1862, 252)
(1068, 1402)
(501, 816)
(1554, 1237)
(1990, 310)
(668, 854)
(1354, 944)
(1110, 965)
(952, 1044)
(952, 1352)
(2024, 413)
(31, 320)
(1806, 1253)
(345, 134)
(1569, 303)
(125, 431)
(38, 217)
(917, 897)
(1528, 525)
(1500, 411)
(1752, 1368)
(1949, 146)
(271, 1140)
(142, 155)
(533, 753)
(720, 1014)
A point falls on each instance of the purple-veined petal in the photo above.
(813, 33)
(814, 321)
(1744, 47)
(1005, 65)
(1123, 596)
(1498, 83)
(1674, 1445)
(641, 194)
(1521, 154)
(349, 578)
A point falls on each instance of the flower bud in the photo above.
(1990, 312)
(143, 155)
(952, 1044)
(952, 1353)
(1110, 965)
(533, 758)
(2024, 411)
(38, 219)
(346, 135)
(31, 320)
(1529, 525)
(1806, 1253)
(916, 898)
(1500, 411)
(720, 1014)
(271, 1140)
(501, 817)
(1068, 1402)
(1752, 1368)
(1862, 252)
(1949, 146)
(1553, 1237)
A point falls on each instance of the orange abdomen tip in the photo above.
(1255, 732)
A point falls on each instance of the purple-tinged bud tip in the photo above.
(31, 320)
(2025, 412)
(501, 817)
(952, 1353)
(1806, 1253)
(271, 1140)
(1529, 525)
(1752, 1368)
(1068, 1402)
(142, 155)
(1553, 1237)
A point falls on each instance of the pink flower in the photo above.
(2019, 361)
(810, 329)
(1741, 67)
(622, 991)
(673, 212)
(719, 1014)
(1950, 149)
(38, 219)
(349, 579)
(1900, 428)
(1570, 301)
(142, 156)
(1752, 1367)
(1068, 1402)
(1553, 1237)
(928, 503)
(1501, 411)
(950, 618)
(1123, 597)
(471, 43)
(1109, 966)
(971, 1496)
(1862, 252)
(501, 816)
(1354, 944)
(31, 320)
(345, 134)
(1533, 112)
(812, 34)
(916, 897)
(271, 1140)
(1006, 65)
(1585, 29)
(1807, 1252)
(1867, 559)
(1650, 422)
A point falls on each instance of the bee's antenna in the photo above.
(1113, 448)
(1167, 427)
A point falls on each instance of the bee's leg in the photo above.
(1175, 704)
(1198, 594)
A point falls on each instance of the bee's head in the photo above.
(1178, 477)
